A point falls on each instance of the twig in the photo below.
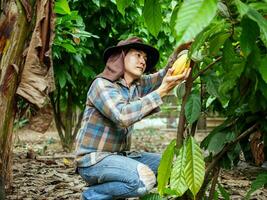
(218, 156)
(207, 68)
(216, 172)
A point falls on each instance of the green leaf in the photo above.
(164, 170)
(219, 140)
(177, 180)
(61, 78)
(174, 16)
(224, 193)
(217, 42)
(214, 28)
(250, 32)
(152, 196)
(263, 69)
(193, 108)
(195, 166)
(228, 55)
(259, 6)
(152, 16)
(254, 15)
(193, 16)
(62, 7)
(69, 47)
(260, 181)
(212, 84)
(121, 5)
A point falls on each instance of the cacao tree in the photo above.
(229, 51)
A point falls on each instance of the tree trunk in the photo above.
(14, 32)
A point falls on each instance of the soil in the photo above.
(41, 170)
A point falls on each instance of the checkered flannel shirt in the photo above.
(111, 110)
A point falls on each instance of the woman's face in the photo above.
(135, 63)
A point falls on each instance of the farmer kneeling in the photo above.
(118, 97)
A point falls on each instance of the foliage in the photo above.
(187, 170)
(258, 183)
(69, 53)
(229, 75)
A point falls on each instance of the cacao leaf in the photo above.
(121, 5)
(62, 7)
(195, 166)
(217, 42)
(214, 28)
(152, 16)
(193, 16)
(259, 6)
(177, 180)
(255, 16)
(193, 108)
(152, 196)
(258, 183)
(223, 192)
(164, 170)
(263, 69)
(250, 32)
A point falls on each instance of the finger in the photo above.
(188, 73)
(179, 76)
(169, 72)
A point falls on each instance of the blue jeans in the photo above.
(119, 176)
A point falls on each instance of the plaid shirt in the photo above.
(111, 110)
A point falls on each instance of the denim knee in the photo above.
(147, 179)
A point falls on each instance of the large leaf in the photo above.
(259, 6)
(193, 16)
(164, 170)
(219, 140)
(254, 15)
(121, 5)
(250, 32)
(260, 181)
(195, 166)
(193, 108)
(177, 181)
(217, 42)
(152, 16)
(263, 69)
(214, 28)
(62, 7)
(212, 84)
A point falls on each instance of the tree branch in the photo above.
(218, 156)
(207, 68)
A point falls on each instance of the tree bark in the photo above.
(14, 31)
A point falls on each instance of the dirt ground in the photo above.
(43, 171)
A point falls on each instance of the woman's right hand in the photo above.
(169, 81)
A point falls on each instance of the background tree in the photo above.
(22, 24)
(83, 31)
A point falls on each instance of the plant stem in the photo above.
(216, 173)
(207, 68)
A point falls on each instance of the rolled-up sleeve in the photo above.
(151, 82)
(106, 97)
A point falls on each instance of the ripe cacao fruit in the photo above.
(182, 63)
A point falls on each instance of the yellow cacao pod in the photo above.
(182, 63)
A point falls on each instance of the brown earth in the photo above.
(43, 171)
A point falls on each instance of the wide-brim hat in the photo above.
(135, 43)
